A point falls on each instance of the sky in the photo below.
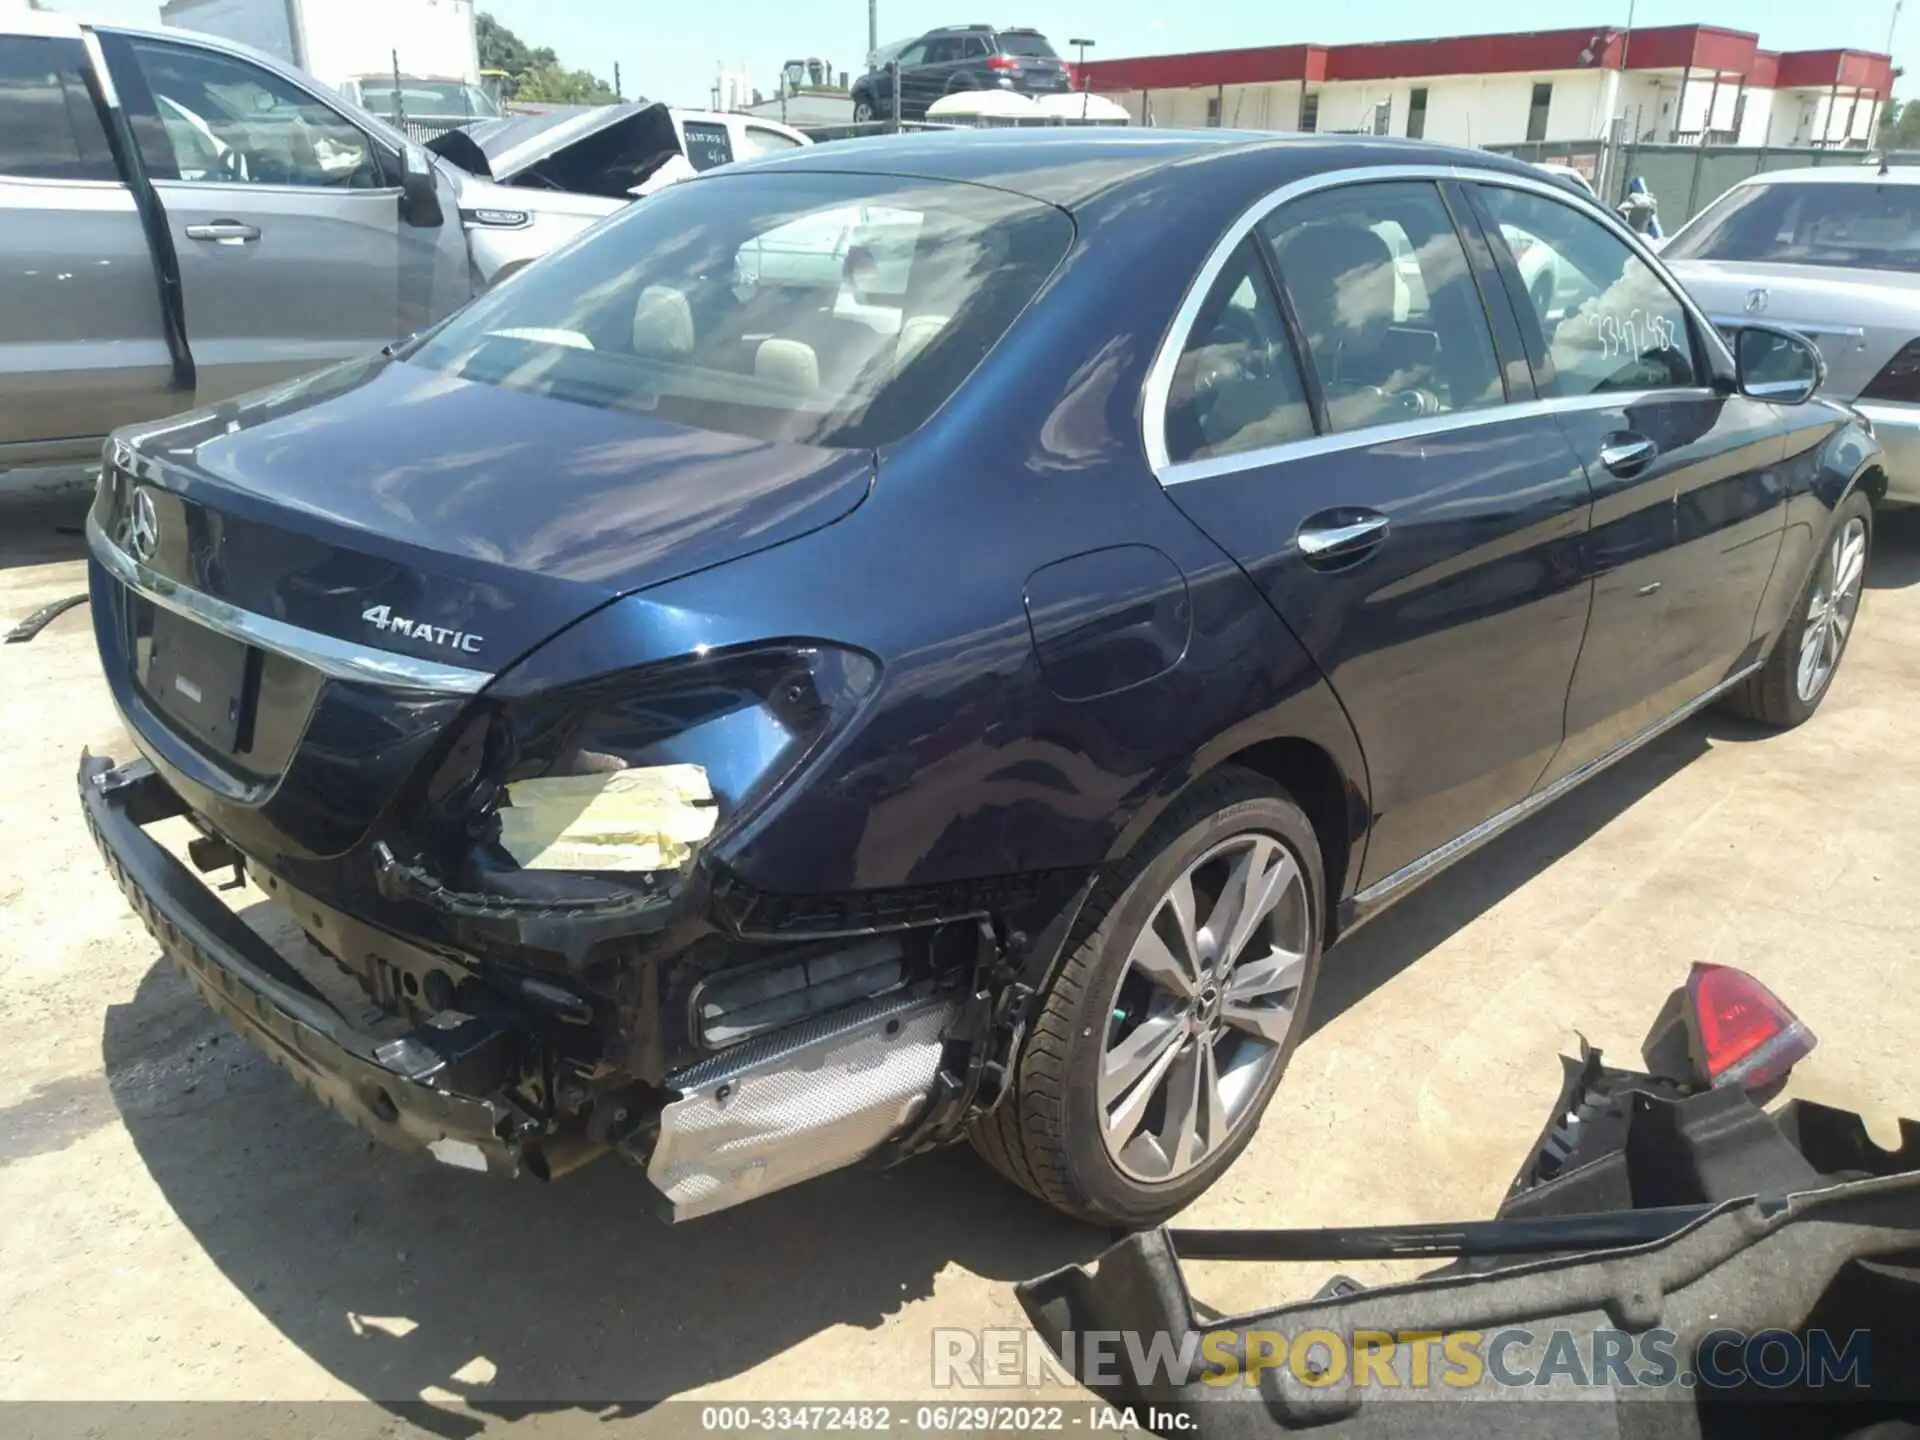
(672, 53)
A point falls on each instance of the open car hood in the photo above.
(605, 150)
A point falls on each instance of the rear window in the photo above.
(1849, 225)
(826, 309)
(1013, 42)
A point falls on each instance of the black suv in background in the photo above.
(961, 57)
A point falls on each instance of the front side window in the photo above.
(1607, 321)
(1853, 225)
(49, 129)
(1237, 385)
(1387, 306)
(226, 121)
(828, 309)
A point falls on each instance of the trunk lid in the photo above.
(1859, 318)
(385, 510)
(603, 150)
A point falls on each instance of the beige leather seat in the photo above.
(915, 333)
(662, 323)
(787, 364)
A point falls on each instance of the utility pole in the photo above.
(1080, 70)
(873, 26)
(1893, 23)
(618, 93)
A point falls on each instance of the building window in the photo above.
(1739, 115)
(1213, 111)
(1310, 111)
(1417, 114)
(1537, 113)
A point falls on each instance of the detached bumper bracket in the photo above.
(383, 1087)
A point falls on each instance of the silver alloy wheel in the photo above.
(1836, 598)
(1203, 1007)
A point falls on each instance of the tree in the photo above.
(1900, 125)
(557, 85)
(535, 72)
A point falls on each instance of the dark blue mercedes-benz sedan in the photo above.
(937, 636)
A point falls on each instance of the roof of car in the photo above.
(1863, 172)
(1067, 165)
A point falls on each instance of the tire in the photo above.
(863, 112)
(1776, 695)
(1046, 1135)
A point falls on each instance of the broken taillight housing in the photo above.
(747, 717)
(1741, 1032)
(1899, 379)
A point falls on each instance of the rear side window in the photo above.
(49, 128)
(1607, 321)
(707, 144)
(1237, 385)
(1387, 306)
(829, 309)
(1864, 225)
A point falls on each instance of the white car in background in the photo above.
(1834, 254)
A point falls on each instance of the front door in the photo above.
(1688, 481)
(1418, 533)
(285, 216)
(83, 346)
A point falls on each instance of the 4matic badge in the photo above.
(381, 617)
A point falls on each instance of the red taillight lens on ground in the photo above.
(1742, 1034)
(1002, 62)
(1899, 378)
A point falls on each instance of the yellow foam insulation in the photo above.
(645, 819)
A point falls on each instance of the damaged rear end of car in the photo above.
(398, 643)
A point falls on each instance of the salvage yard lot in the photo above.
(183, 1223)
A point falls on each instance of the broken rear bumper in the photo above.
(405, 1091)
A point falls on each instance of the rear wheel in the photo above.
(862, 112)
(1799, 670)
(1166, 1029)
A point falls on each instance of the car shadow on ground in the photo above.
(1896, 549)
(405, 1279)
(43, 529)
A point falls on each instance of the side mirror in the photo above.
(419, 191)
(1777, 365)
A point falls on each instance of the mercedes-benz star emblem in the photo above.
(1756, 301)
(143, 527)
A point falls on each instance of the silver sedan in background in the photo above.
(1833, 253)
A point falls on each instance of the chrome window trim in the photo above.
(1159, 382)
(337, 659)
(1740, 322)
(1183, 472)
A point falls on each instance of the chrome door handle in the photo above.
(1342, 540)
(224, 232)
(1627, 454)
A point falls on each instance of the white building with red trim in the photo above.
(1672, 84)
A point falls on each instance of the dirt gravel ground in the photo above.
(182, 1223)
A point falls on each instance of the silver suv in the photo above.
(183, 219)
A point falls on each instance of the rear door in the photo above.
(285, 216)
(1415, 524)
(82, 345)
(937, 74)
(1688, 482)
